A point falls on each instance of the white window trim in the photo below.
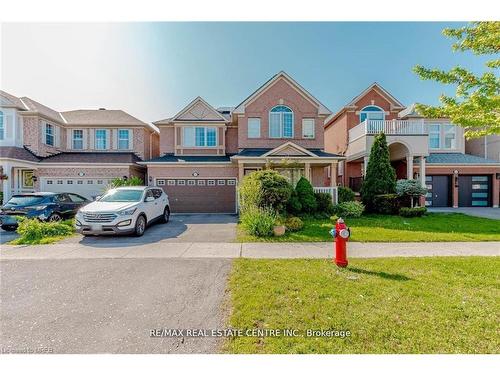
(73, 139)
(304, 120)
(281, 122)
(205, 131)
(255, 120)
(368, 112)
(106, 146)
(444, 133)
(2, 126)
(53, 135)
(123, 139)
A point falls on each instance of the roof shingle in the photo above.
(101, 117)
(457, 158)
(92, 157)
(19, 153)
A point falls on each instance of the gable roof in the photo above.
(322, 109)
(9, 100)
(289, 148)
(43, 110)
(19, 153)
(260, 152)
(93, 157)
(196, 110)
(101, 117)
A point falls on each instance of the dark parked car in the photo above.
(44, 206)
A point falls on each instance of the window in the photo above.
(59, 182)
(69, 182)
(371, 112)
(49, 182)
(449, 136)
(191, 182)
(90, 182)
(181, 182)
(281, 122)
(171, 183)
(231, 182)
(49, 134)
(157, 193)
(2, 128)
(101, 139)
(254, 128)
(123, 139)
(211, 182)
(199, 136)
(79, 182)
(434, 136)
(99, 182)
(27, 178)
(78, 139)
(308, 128)
(201, 182)
(221, 182)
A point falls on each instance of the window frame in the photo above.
(118, 139)
(363, 111)
(73, 139)
(105, 140)
(434, 132)
(311, 120)
(48, 134)
(2, 126)
(446, 132)
(193, 143)
(281, 122)
(255, 121)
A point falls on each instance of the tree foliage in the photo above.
(410, 188)
(380, 175)
(132, 181)
(476, 104)
(305, 193)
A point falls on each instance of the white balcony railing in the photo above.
(333, 191)
(390, 127)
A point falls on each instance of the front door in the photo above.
(438, 191)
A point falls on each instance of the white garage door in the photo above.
(87, 187)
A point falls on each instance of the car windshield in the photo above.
(25, 200)
(122, 196)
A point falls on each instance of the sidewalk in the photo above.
(251, 250)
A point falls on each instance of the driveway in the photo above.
(110, 305)
(486, 212)
(180, 228)
(7, 236)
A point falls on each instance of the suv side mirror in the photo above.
(149, 199)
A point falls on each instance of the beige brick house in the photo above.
(81, 151)
(206, 151)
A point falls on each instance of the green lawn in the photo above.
(382, 228)
(396, 305)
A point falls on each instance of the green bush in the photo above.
(410, 189)
(345, 194)
(306, 196)
(259, 221)
(412, 211)
(132, 181)
(294, 224)
(324, 203)
(334, 219)
(34, 231)
(386, 204)
(266, 188)
(293, 205)
(349, 209)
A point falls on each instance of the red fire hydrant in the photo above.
(341, 234)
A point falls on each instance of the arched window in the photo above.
(281, 122)
(2, 128)
(371, 112)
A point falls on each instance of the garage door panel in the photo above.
(474, 191)
(200, 195)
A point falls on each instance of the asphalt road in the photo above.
(110, 305)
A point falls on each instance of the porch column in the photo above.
(333, 175)
(307, 171)
(7, 184)
(241, 172)
(365, 165)
(409, 167)
(422, 171)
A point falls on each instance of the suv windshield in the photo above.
(122, 196)
(25, 200)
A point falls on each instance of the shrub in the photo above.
(349, 209)
(324, 203)
(334, 219)
(293, 205)
(306, 196)
(132, 181)
(34, 231)
(259, 221)
(266, 188)
(412, 212)
(345, 194)
(386, 204)
(380, 175)
(294, 224)
(410, 189)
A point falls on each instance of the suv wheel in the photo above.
(166, 215)
(140, 226)
(54, 217)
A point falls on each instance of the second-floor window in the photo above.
(308, 128)
(254, 128)
(442, 136)
(49, 134)
(123, 139)
(2, 128)
(371, 112)
(449, 136)
(101, 139)
(281, 122)
(199, 136)
(77, 143)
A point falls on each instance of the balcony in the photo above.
(411, 133)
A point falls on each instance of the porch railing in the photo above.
(398, 127)
(333, 191)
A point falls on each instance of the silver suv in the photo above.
(124, 210)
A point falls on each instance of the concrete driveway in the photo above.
(486, 212)
(180, 228)
(7, 236)
(110, 305)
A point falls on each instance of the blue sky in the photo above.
(153, 69)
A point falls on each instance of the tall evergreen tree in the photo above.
(380, 175)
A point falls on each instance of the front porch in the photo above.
(17, 178)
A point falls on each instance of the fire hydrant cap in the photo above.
(340, 221)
